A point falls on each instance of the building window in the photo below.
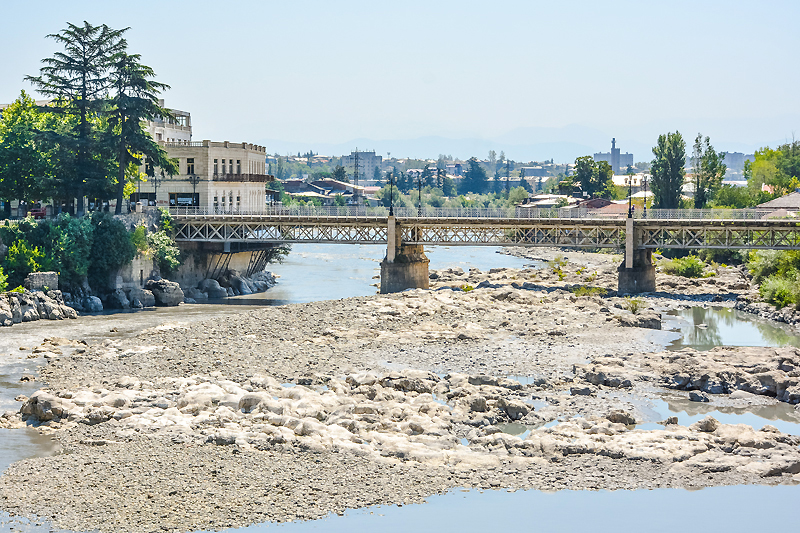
(190, 165)
(223, 166)
(184, 199)
(238, 166)
(215, 167)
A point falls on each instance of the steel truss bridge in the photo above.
(686, 229)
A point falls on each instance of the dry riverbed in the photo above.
(294, 412)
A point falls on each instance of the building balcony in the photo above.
(256, 178)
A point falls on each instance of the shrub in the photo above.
(3, 280)
(765, 263)
(111, 247)
(583, 290)
(139, 239)
(165, 222)
(467, 288)
(557, 263)
(779, 291)
(165, 253)
(75, 249)
(634, 305)
(22, 259)
(690, 266)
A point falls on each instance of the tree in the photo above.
(23, 163)
(667, 170)
(376, 173)
(475, 178)
(340, 174)
(135, 101)
(449, 186)
(427, 176)
(594, 177)
(78, 79)
(708, 170)
(492, 161)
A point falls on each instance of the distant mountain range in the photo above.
(560, 144)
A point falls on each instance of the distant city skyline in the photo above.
(538, 80)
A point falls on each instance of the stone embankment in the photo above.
(314, 408)
(18, 307)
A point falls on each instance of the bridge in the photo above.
(409, 230)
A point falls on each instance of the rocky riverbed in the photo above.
(297, 411)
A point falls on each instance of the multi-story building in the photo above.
(175, 129)
(615, 158)
(221, 177)
(367, 161)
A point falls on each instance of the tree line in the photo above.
(90, 140)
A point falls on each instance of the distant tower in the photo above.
(355, 169)
(614, 156)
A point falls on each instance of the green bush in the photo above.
(3, 280)
(22, 259)
(139, 239)
(75, 250)
(765, 263)
(779, 291)
(111, 247)
(165, 222)
(165, 253)
(690, 266)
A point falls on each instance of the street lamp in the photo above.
(419, 188)
(644, 182)
(391, 194)
(194, 180)
(629, 179)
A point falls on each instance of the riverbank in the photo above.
(384, 399)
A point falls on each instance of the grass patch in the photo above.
(583, 290)
(467, 288)
(634, 305)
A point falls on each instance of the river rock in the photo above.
(6, 316)
(118, 300)
(195, 294)
(144, 297)
(92, 304)
(645, 320)
(240, 284)
(167, 293)
(213, 288)
(695, 396)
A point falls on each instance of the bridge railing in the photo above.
(480, 212)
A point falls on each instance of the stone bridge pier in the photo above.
(405, 265)
(637, 273)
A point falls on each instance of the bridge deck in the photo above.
(491, 231)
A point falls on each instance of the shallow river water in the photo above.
(323, 272)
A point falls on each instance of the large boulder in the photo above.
(118, 300)
(240, 284)
(6, 317)
(167, 293)
(141, 298)
(648, 320)
(92, 304)
(28, 306)
(213, 288)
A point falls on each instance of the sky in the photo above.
(431, 76)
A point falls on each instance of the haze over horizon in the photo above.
(536, 80)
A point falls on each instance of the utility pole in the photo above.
(508, 174)
(355, 168)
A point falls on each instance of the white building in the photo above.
(221, 177)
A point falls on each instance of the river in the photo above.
(323, 272)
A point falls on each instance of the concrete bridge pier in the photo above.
(405, 265)
(637, 273)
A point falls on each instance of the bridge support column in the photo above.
(405, 265)
(637, 273)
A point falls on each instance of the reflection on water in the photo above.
(737, 508)
(781, 415)
(705, 328)
(314, 272)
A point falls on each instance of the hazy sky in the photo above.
(333, 71)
